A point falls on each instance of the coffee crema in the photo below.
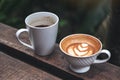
(42, 22)
(42, 26)
(80, 49)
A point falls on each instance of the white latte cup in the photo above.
(82, 50)
(42, 28)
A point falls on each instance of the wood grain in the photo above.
(56, 61)
(14, 69)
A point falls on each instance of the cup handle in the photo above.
(104, 60)
(18, 34)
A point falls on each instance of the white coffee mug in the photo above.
(42, 28)
(83, 51)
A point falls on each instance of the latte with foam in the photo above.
(80, 45)
(80, 49)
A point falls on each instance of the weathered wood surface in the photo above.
(56, 62)
(14, 69)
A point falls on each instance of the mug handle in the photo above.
(104, 60)
(18, 34)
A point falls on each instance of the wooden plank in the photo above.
(14, 69)
(105, 71)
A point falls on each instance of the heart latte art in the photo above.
(80, 49)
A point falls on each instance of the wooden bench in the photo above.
(55, 63)
(14, 69)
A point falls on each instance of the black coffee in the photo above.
(42, 26)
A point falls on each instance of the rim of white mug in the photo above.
(96, 53)
(42, 12)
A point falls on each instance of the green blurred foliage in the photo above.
(76, 16)
(11, 11)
